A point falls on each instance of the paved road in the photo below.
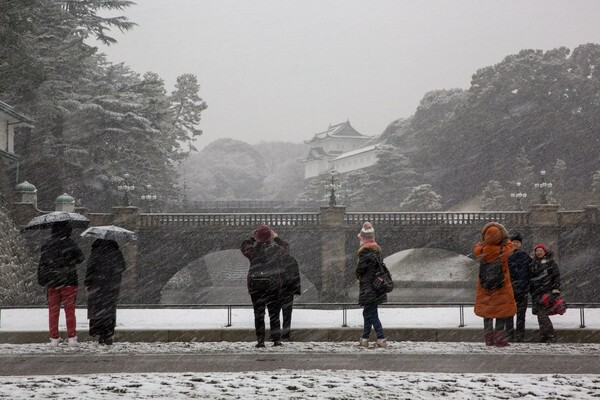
(459, 363)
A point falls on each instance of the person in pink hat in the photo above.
(369, 261)
(544, 281)
(265, 250)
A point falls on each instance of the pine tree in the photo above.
(422, 198)
(494, 197)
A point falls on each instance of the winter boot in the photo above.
(489, 338)
(73, 342)
(364, 343)
(548, 339)
(500, 339)
(54, 342)
(260, 342)
(381, 343)
(277, 343)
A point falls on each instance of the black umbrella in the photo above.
(47, 220)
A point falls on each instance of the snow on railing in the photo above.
(514, 218)
(230, 219)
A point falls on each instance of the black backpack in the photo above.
(490, 273)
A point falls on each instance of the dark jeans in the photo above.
(287, 305)
(521, 299)
(546, 327)
(500, 324)
(270, 301)
(371, 318)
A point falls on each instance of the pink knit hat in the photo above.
(367, 231)
(540, 246)
(263, 233)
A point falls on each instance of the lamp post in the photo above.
(518, 196)
(543, 185)
(333, 185)
(148, 198)
(126, 187)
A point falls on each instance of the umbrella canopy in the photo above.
(110, 232)
(47, 220)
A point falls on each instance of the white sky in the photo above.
(285, 69)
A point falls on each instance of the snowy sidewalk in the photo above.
(402, 324)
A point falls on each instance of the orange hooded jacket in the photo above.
(495, 303)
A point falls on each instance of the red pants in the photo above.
(67, 295)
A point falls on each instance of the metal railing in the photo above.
(438, 218)
(344, 307)
(233, 219)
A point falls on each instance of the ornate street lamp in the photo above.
(543, 185)
(333, 185)
(518, 196)
(148, 198)
(126, 187)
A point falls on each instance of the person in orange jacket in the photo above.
(499, 302)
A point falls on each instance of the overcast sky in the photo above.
(284, 70)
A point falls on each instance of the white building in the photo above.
(341, 147)
(9, 118)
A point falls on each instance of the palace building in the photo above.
(341, 148)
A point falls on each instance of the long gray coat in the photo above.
(103, 280)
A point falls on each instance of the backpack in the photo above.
(382, 281)
(490, 273)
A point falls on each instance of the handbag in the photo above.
(554, 303)
(490, 273)
(382, 281)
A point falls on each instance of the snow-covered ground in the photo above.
(36, 319)
(287, 384)
(295, 384)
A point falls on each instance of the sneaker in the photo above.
(381, 343)
(73, 342)
(54, 342)
(364, 343)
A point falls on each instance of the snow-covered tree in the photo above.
(422, 198)
(495, 197)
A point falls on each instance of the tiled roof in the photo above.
(18, 117)
(342, 130)
(315, 153)
(355, 152)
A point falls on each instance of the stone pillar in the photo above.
(128, 218)
(333, 254)
(25, 208)
(544, 226)
(64, 202)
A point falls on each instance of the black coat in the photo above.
(544, 278)
(519, 265)
(103, 279)
(290, 277)
(58, 262)
(368, 264)
(265, 264)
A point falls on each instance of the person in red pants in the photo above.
(57, 271)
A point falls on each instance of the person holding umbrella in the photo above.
(103, 279)
(57, 271)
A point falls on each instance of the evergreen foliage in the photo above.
(95, 120)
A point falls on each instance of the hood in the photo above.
(494, 233)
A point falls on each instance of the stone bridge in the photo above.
(323, 242)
